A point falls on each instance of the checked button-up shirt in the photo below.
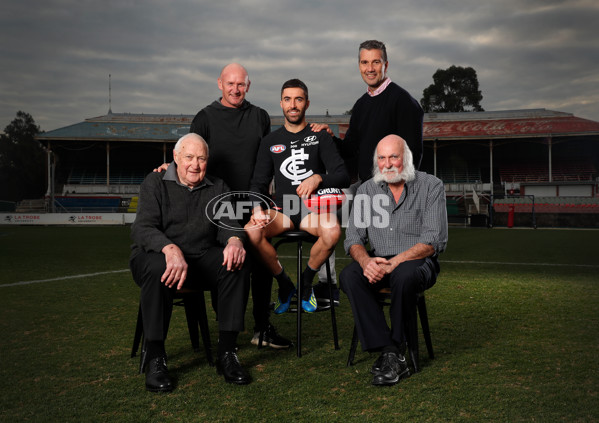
(420, 216)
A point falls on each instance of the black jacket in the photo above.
(233, 136)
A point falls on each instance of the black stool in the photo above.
(195, 311)
(411, 326)
(299, 237)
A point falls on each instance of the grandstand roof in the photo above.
(441, 126)
(124, 127)
(530, 123)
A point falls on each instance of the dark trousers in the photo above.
(261, 291)
(204, 272)
(405, 282)
(261, 283)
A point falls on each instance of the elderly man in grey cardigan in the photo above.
(179, 241)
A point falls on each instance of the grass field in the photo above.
(514, 321)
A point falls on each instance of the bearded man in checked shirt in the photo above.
(401, 213)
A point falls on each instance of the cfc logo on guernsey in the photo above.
(293, 167)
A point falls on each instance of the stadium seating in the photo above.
(133, 205)
(98, 177)
(548, 205)
(539, 172)
(451, 175)
(78, 204)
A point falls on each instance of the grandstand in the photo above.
(453, 175)
(482, 157)
(89, 204)
(571, 170)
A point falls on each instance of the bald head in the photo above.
(233, 68)
(234, 82)
(394, 142)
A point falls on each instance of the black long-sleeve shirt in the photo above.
(293, 157)
(233, 136)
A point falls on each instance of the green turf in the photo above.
(514, 321)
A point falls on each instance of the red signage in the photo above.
(504, 128)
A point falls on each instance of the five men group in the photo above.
(177, 237)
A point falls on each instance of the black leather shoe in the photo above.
(228, 365)
(376, 367)
(393, 369)
(157, 377)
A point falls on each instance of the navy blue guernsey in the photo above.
(293, 157)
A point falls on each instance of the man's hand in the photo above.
(317, 127)
(259, 219)
(374, 268)
(176, 266)
(162, 167)
(308, 186)
(233, 254)
(391, 264)
(416, 252)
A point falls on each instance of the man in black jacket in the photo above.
(176, 242)
(233, 128)
(385, 108)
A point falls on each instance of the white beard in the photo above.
(393, 176)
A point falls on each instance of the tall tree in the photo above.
(455, 89)
(22, 169)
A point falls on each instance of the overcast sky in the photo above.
(165, 56)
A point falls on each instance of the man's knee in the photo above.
(147, 268)
(428, 272)
(236, 280)
(331, 234)
(407, 275)
(328, 235)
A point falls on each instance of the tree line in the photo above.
(22, 158)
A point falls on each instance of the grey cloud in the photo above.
(165, 57)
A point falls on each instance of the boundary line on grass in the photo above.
(21, 283)
(62, 278)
